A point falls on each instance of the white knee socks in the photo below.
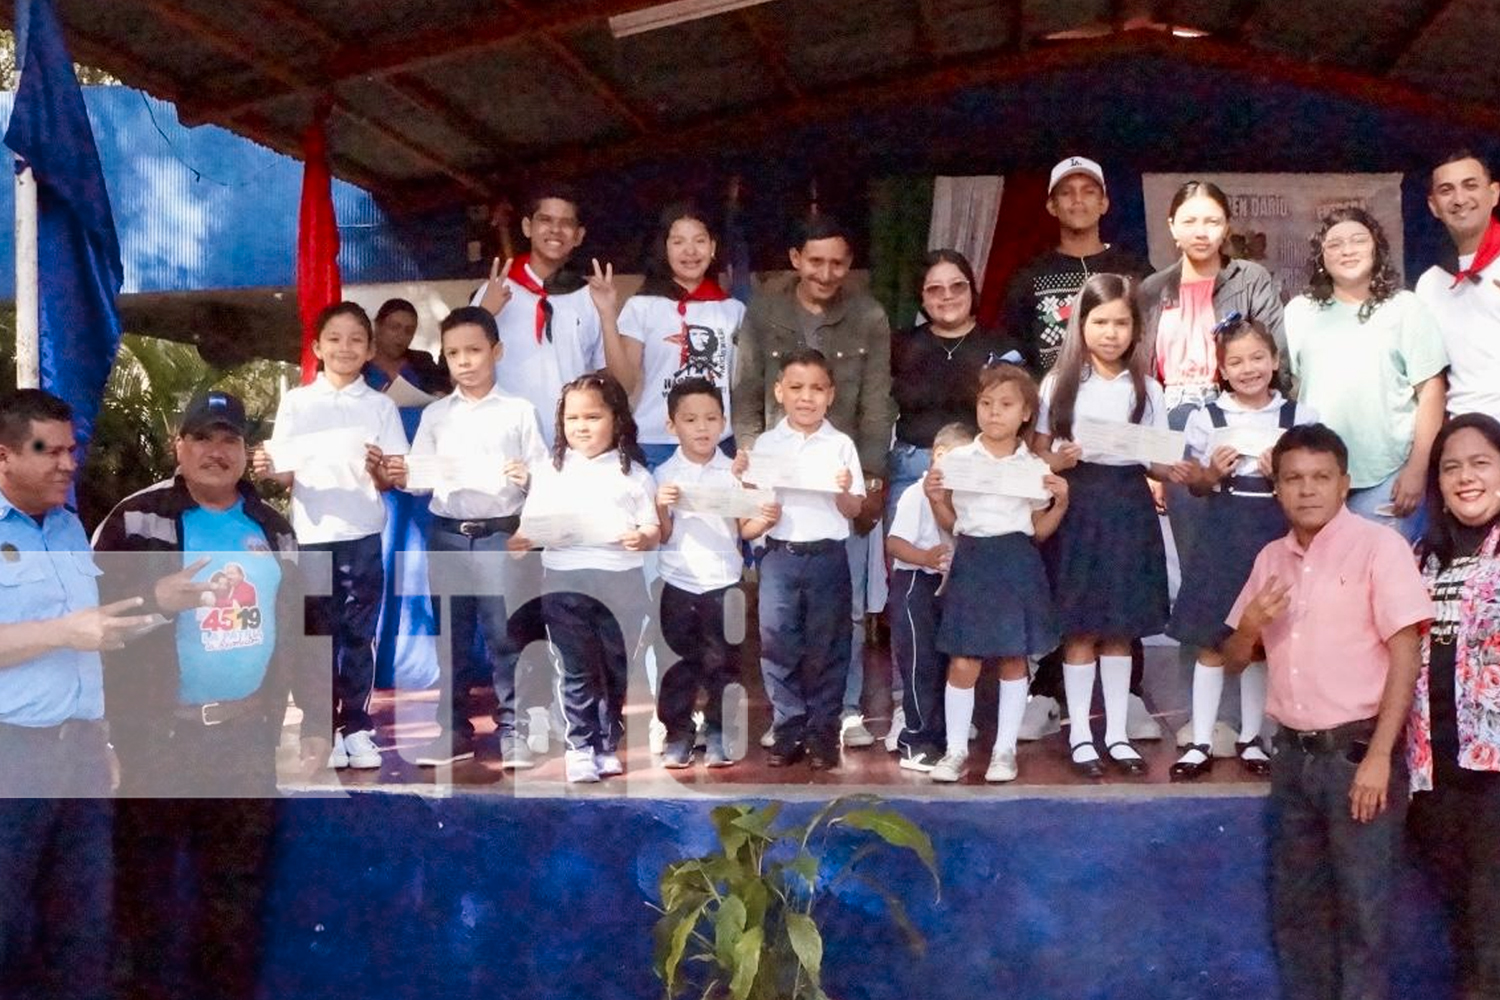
(1252, 701)
(1078, 688)
(1208, 688)
(958, 708)
(1114, 678)
(1012, 708)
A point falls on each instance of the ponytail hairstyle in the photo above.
(1073, 366)
(617, 401)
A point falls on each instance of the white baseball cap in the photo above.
(1075, 165)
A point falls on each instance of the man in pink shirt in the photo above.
(1337, 604)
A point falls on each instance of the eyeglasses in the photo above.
(1351, 242)
(944, 291)
(1230, 322)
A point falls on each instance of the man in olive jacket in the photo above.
(852, 331)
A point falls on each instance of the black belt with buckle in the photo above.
(215, 713)
(818, 547)
(1250, 486)
(479, 527)
(1333, 740)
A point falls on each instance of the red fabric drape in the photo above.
(1023, 229)
(318, 283)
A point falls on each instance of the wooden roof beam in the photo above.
(241, 49)
(601, 87)
(1389, 59)
(419, 94)
(771, 55)
(420, 49)
(774, 118)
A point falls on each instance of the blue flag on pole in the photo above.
(78, 252)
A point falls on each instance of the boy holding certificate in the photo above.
(480, 430)
(804, 576)
(700, 561)
(328, 447)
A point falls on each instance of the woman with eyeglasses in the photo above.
(1453, 737)
(1369, 358)
(935, 366)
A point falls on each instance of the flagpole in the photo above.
(28, 346)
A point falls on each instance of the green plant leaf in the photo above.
(732, 837)
(806, 865)
(676, 927)
(758, 821)
(914, 939)
(756, 897)
(898, 831)
(729, 925)
(746, 963)
(808, 944)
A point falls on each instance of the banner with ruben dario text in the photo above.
(1272, 215)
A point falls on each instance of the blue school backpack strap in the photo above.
(1216, 414)
(1288, 415)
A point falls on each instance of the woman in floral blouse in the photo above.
(1454, 735)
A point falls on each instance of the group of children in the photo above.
(977, 576)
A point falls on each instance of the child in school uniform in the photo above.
(471, 525)
(699, 562)
(805, 590)
(593, 595)
(337, 508)
(996, 605)
(920, 555)
(1107, 562)
(1241, 517)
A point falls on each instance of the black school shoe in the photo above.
(785, 754)
(822, 757)
(920, 759)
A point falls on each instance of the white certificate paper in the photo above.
(563, 530)
(973, 474)
(405, 395)
(447, 473)
(1120, 439)
(787, 472)
(720, 501)
(1248, 441)
(323, 449)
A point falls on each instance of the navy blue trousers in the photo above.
(804, 641)
(349, 613)
(697, 656)
(915, 610)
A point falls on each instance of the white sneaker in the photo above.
(656, 736)
(1139, 723)
(608, 765)
(537, 734)
(950, 768)
(1223, 739)
(768, 738)
(579, 767)
(360, 751)
(338, 757)
(853, 732)
(1002, 767)
(1043, 718)
(898, 723)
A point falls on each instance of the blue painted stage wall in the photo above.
(395, 896)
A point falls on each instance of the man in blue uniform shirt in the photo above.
(54, 780)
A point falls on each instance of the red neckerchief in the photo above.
(707, 291)
(521, 276)
(1484, 256)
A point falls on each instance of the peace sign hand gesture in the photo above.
(496, 291)
(603, 291)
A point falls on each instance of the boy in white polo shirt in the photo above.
(337, 508)
(545, 311)
(805, 591)
(920, 554)
(700, 560)
(497, 431)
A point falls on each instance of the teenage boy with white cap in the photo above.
(1037, 304)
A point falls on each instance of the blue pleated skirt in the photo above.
(1233, 531)
(997, 602)
(1107, 561)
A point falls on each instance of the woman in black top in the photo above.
(935, 366)
(1453, 745)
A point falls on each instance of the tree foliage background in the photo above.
(10, 76)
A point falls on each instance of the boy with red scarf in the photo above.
(1463, 292)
